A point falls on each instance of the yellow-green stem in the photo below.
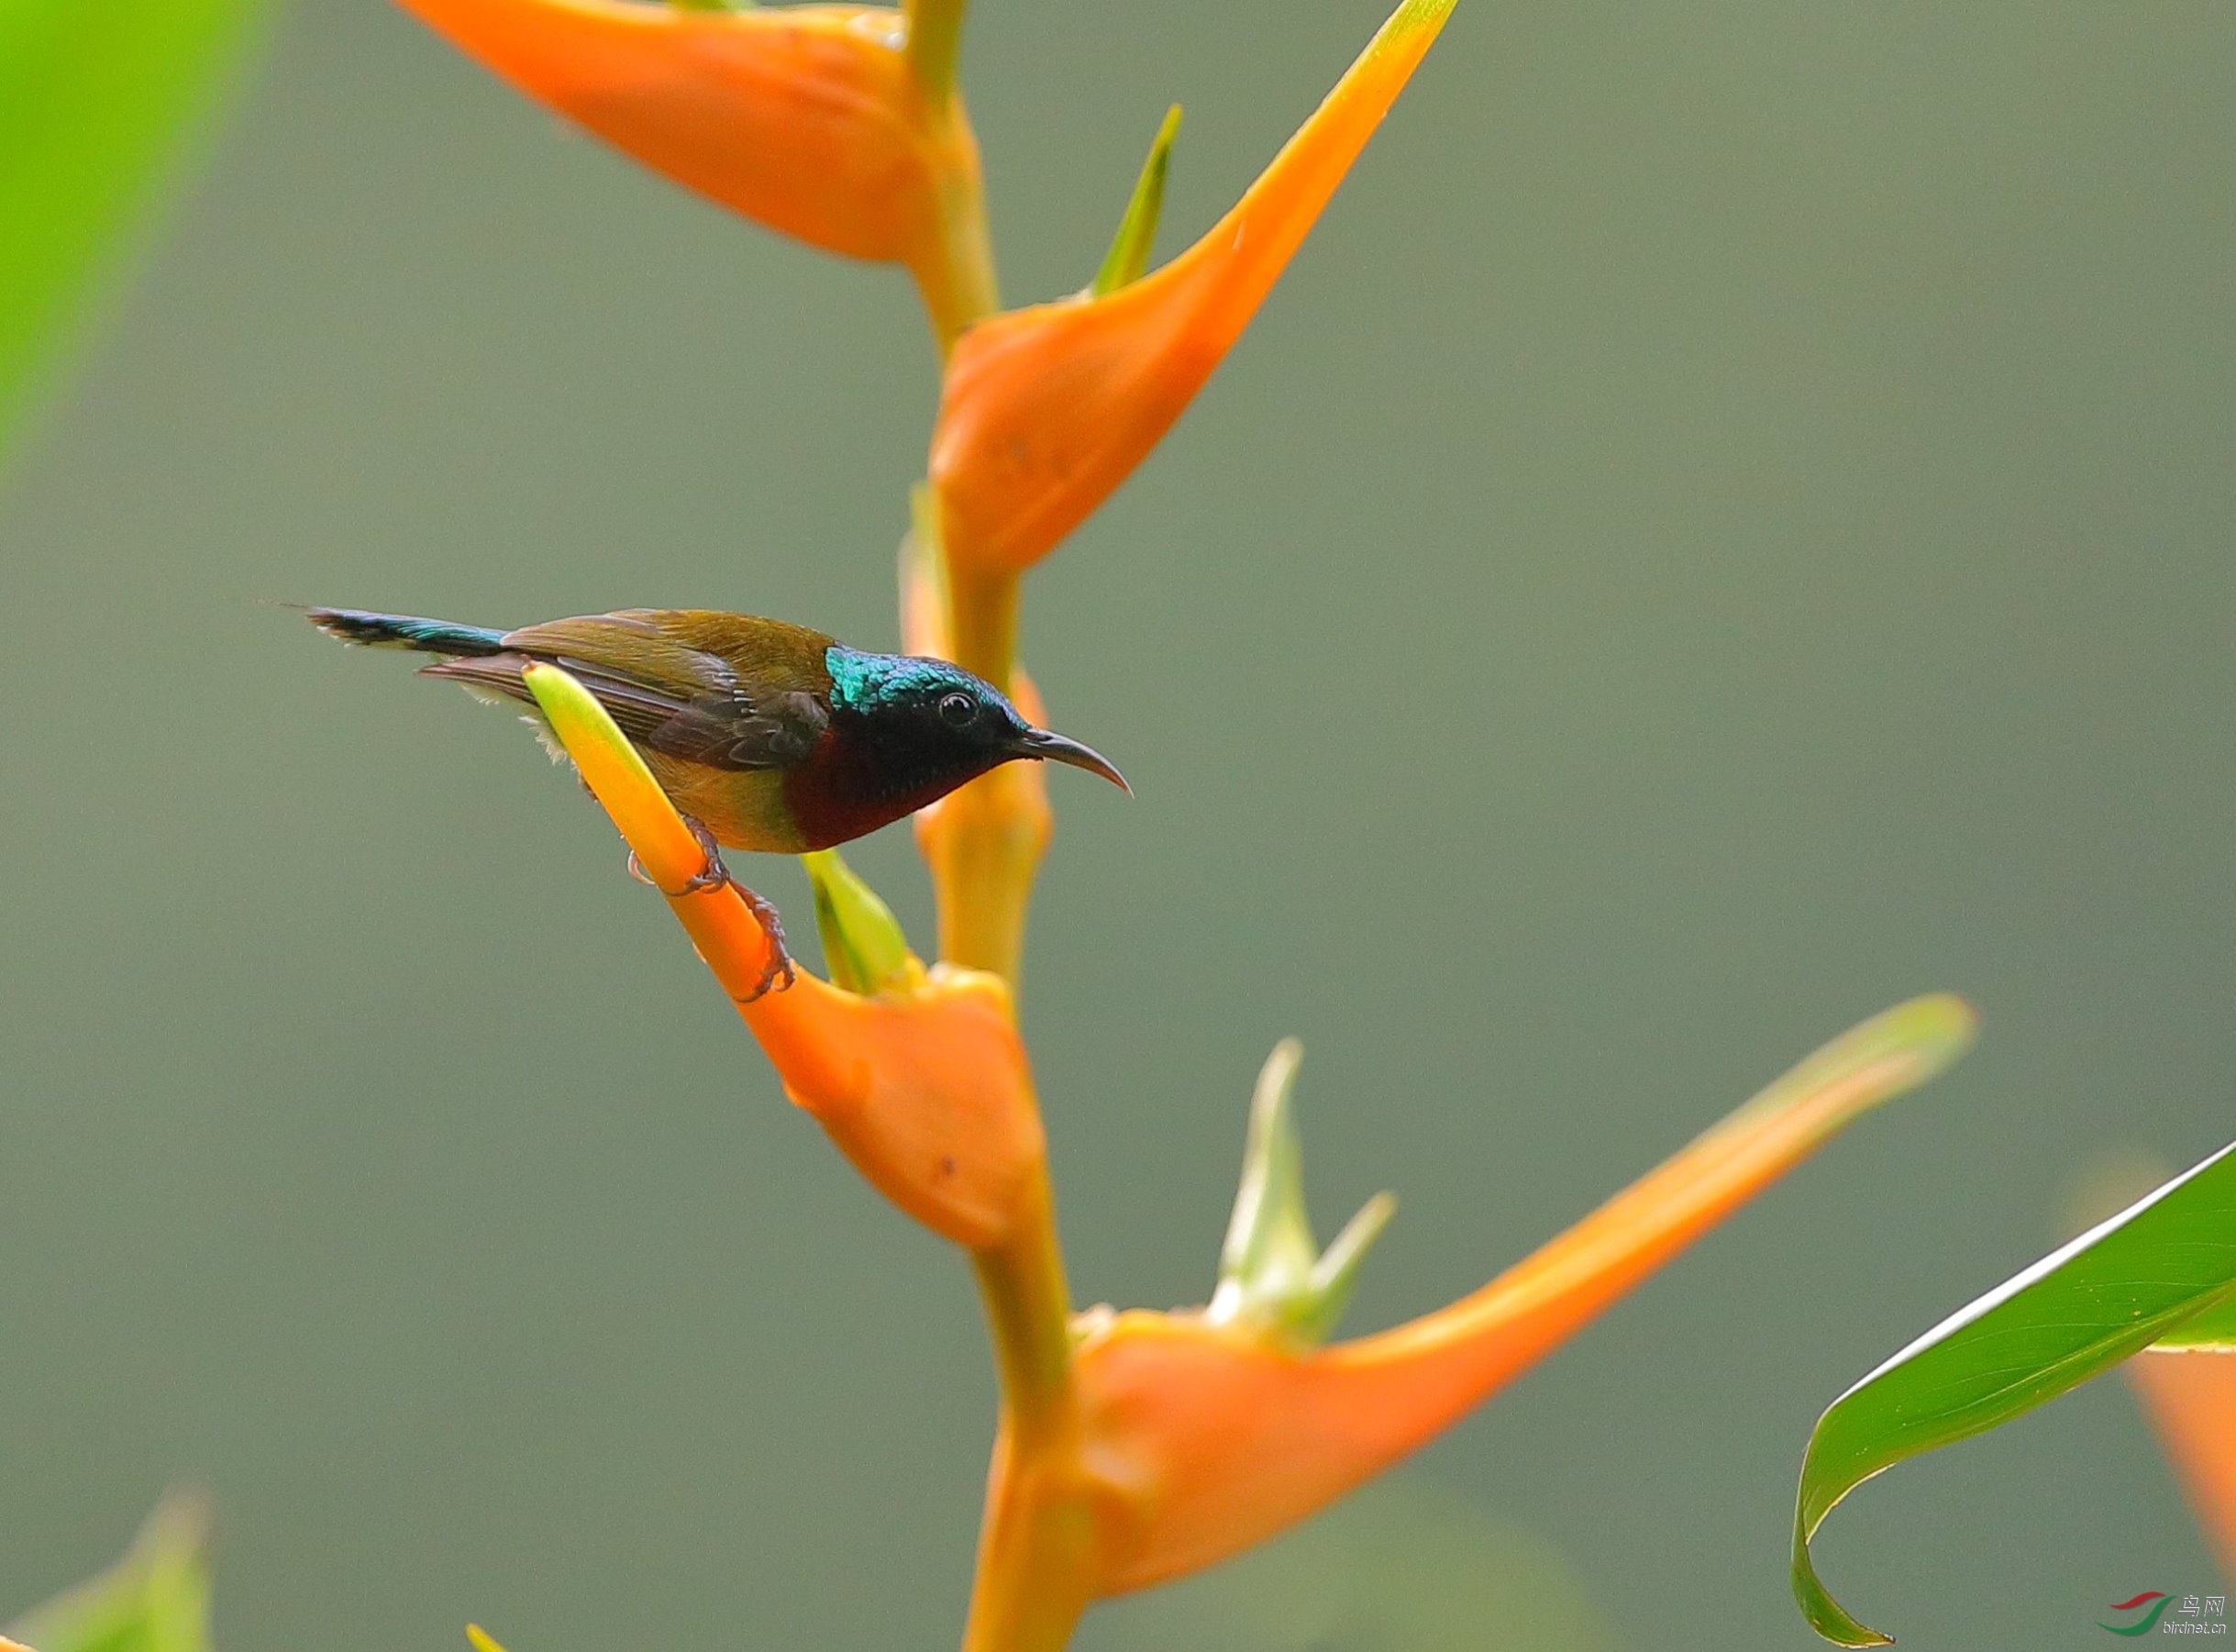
(957, 277)
(1036, 1554)
(1028, 1313)
(986, 884)
(934, 41)
(982, 622)
(1036, 1544)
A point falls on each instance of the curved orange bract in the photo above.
(1046, 410)
(1211, 1438)
(927, 1090)
(807, 119)
(2191, 1399)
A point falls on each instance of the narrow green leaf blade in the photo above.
(1130, 249)
(92, 100)
(2210, 1332)
(157, 1599)
(2120, 1287)
(1336, 1275)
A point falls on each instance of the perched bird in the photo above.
(765, 736)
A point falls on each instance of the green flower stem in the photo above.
(1036, 1547)
(957, 277)
(1036, 1550)
(934, 41)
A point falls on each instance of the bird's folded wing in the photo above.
(632, 645)
(722, 729)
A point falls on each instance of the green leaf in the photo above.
(94, 95)
(1129, 253)
(2212, 1330)
(2135, 1280)
(157, 1599)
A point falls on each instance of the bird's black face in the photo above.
(927, 722)
(955, 721)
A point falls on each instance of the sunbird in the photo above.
(765, 736)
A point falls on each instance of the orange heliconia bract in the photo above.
(1046, 410)
(2191, 1401)
(805, 118)
(928, 1090)
(1211, 1438)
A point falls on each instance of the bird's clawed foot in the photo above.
(712, 875)
(779, 973)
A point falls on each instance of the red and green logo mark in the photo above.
(2157, 1599)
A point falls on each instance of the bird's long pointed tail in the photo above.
(405, 631)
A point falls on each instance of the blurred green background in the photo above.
(1726, 525)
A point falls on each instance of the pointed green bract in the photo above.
(1269, 1245)
(863, 946)
(94, 98)
(1136, 237)
(2138, 1279)
(1272, 1275)
(1336, 1274)
(157, 1599)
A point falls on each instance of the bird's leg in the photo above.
(712, 875)
(779, 973)
(780, 963)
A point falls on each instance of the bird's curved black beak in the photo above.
(1055, 748)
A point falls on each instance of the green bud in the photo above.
(862, 944)
(1273, 1276)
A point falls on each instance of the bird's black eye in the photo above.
(958, 709)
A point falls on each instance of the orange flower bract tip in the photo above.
(2190, 1399)
(1046, 410)
(808, 118)
(1213, 1437)
(926, 1089)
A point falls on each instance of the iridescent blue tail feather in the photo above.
(405, 631)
